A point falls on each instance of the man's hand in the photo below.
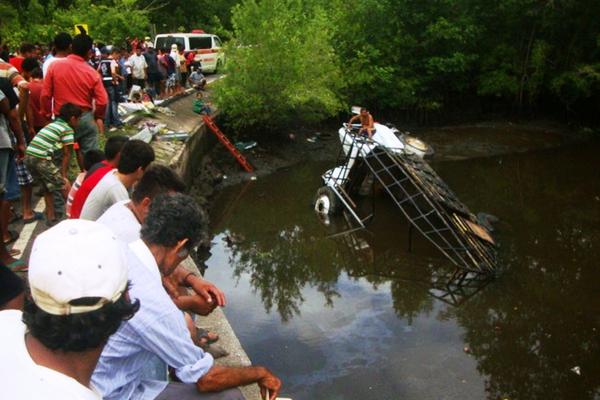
(100, 123)
(66, 187)
(269, 383)
(20, 150)
(207, 290)
(195, 304)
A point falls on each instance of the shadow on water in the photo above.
(359, 316)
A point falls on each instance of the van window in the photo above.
(217, 42)
(200, 42)
(165, 42)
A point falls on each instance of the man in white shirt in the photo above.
(112, 188)
(172, 227)
(125, 219)
(62, 48)
(138, 67)
(78, 278)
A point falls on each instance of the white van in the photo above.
(207, 48)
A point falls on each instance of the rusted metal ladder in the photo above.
(227, 143)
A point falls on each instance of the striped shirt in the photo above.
(51, 138)
(9, 72)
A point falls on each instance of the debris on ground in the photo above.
(245, 145)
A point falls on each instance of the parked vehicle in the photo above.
(208, 48)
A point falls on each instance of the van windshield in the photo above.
(165, 42)
(200, 42)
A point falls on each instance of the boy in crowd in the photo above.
(113, 187)
(112, 151)
(39, 158)
(90, 158)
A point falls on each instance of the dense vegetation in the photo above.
(313, 57)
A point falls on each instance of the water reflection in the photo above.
(527, 330)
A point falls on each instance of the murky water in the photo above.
(360, 317)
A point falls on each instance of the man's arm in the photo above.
(220, 378)
(353, 119)
(47, 93)
(99, 94)
(23, 102)
(17, 128)
(207, 290)
(66, 160)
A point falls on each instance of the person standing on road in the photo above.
(109, 71)
(139, 68)
(73, 81)
(62, 48)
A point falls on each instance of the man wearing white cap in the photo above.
(78, 280)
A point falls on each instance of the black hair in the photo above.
(91, 157)
(135, 154)
(171, 218)
(114, 145)
(29, 64)
(10, 285)
(157, 179)
(363, 109)
(62, 41)
(26, 48)
(82, 44)
(68, 111)
(78, 332)
(36, 73)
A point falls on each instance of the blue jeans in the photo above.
(112, 109)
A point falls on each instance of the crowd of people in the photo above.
(109, 308)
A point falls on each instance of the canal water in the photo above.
(362, 316)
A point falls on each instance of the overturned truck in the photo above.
(396, 162)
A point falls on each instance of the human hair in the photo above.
(62, 41)
(26, 48)
(91, 157)
(157, 179)
(172, 218)
(78, 332)
(68, 111)
(114, 145)
(363, 109)
(82, 44)
(29, 64)
(135, 154)
(36, 73)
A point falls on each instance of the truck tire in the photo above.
(326, 202)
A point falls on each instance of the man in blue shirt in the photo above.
(171, 228)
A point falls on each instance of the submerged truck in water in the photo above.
(396, 162)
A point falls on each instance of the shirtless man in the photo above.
(366, 122)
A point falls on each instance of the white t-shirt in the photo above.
(106, 193)
(22, 379)
(138, 66)
(122, 222)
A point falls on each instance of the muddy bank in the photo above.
(456, 142)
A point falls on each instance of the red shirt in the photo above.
(88, 184)
(35, 98)
(17, 62)
(74, 81)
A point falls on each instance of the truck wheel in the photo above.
(326, 202)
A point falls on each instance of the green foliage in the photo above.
(281, 65)
(109, 21)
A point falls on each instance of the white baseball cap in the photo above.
(76, 259)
